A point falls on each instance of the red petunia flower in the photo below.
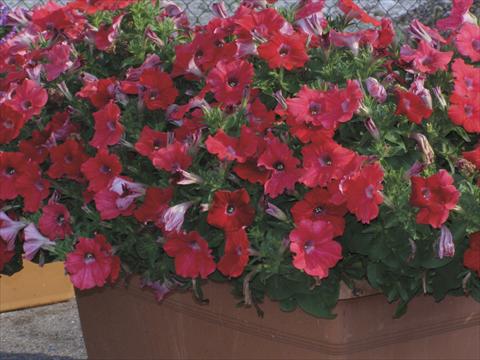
(259, 117)
(465, 111)
(285, 51)
(118, 199)
(231, 210)
(32, 187)
(57, 60)
(457, 17)
(108, 129)
(106, 35)
(467, 78)
(11, 122)
(35, 148)
(435, 196)
(12, 166)
(67, 159)
(353, 11)
(251, 172)
(228, 80)
(55, 221)
(468, 41)
(352, 40)
(425, 58)
(150, 141)
(315, 251)
(323, 162)
(259, 24)
(316, 205)
(98, 91)
(29, 98)
(155, 204)
(363, 192)
(92, 263)
(172, 158)
(309, 106)
(283, 166)
(341, 104)
(471, 257)
(92, 6)
(412, 106)
(101, 170)
(236, 253)
(192, 256)
(160, 92)
(230, 148)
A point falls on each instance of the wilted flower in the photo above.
(220, 10)
(372, 128)
(445, 246)
(34, 241)
(9, 229)
(437, 91)
(415, 170)
(174, 216)
(376, 90)
(427, 151)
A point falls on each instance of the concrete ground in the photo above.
(49, 332)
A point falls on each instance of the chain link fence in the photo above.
(402, 11)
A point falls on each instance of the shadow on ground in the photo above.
(18, 356)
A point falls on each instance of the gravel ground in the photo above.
(43, 333)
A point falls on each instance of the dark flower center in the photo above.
(105, 169)
(326, 160)
(308, 246)
(318, 210)
(88, 258)
(60, 219)
(27, 105)
(369, 191)
(468, 110)
(427, 60)
(279, 166)
(199, 54)
(157, 143)
(426, 193)
(8, 124)
(232, 82)
(314, 109)
(284, 50)
(476, 45)
(219, 44)
(230, 209)
(68, 159)
(194, 245)
(153, 94)
(10, 171)
(112, 125)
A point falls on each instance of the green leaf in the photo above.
(313, 305)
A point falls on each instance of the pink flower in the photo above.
(92, 263)
(9, 229)
(315, 251)
(174, 216)
(34, 241)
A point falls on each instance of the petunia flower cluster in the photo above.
(274, 149)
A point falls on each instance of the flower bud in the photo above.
(150, 34)
(466, 167)
(280, 99)
(188, 178)
(220, 10)
(376, 90)
(437, 91)
(414, 170)
(372, 128)
(424, 145)
(445, 247)
(276, 212)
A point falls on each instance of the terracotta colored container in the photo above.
(34, 286)
(128, 323)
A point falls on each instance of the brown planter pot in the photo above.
(127, 323)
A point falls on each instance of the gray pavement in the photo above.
(49, 332)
